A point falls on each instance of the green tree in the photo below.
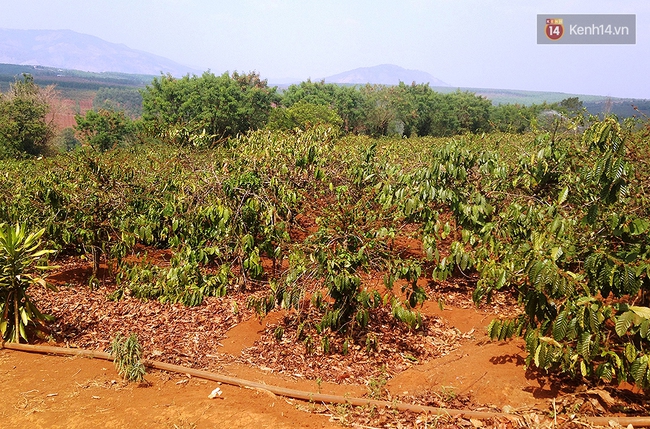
(310, 92)
(104, 129)
(572, 105)
(512, 118)
(386, 108)
(304, 115)
(128, 100)
(24, 128)
(472, 111)
(416, 109)
(217, 106)
(348, 102)
(67, 140)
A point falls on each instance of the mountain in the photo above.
(385, 74)
(71, 50)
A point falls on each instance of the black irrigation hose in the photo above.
(311, 396)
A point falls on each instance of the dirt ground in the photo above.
(42, 391)
(64, 110)
(54, 392)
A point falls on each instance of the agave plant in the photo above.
(20, 261)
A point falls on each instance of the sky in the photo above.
(465, 43)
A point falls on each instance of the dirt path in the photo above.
(54, 392)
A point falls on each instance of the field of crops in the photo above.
(299, 220)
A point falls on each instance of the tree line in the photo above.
(208, 109)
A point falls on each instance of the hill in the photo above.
(76, 90)
(385, 74)
(66, 79)
(68, 49)
(595, 104)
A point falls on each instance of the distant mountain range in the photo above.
(385, 74)
(67, 49)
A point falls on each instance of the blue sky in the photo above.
(469, 43)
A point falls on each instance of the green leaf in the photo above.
(605, 371)
(556, 253)
(630, 352)
(584, 346)
(562, 196)
(493, 329)
(561, 325)
(640, 311)
(623, 323)
(639, 369)
(645, 328)
(639, 226)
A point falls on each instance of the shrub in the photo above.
(304, 115)
(206, 107)
(127, 354)
(104, 129)
(20, 258)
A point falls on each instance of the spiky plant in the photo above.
(20, 260)
(127, 354)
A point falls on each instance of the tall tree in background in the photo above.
(347, 101)
(416, 109)
(304, 115)
(24, 129)
(104, 129)
(217, 106)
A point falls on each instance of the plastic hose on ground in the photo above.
(311, 396)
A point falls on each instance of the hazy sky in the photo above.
(469, 43)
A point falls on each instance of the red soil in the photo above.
(55, 392)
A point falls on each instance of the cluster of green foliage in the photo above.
(217, 106)
(67, 140)
(202, 111)
(405, 110)
(24, 128)
(584, 272)
(128, 100)
(127, 357)
(558, 216)
(303, 115)
(185, 281)
(104, 129)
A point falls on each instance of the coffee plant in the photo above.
(298, 217)
(583, 266)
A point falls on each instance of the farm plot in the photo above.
(360, 262)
